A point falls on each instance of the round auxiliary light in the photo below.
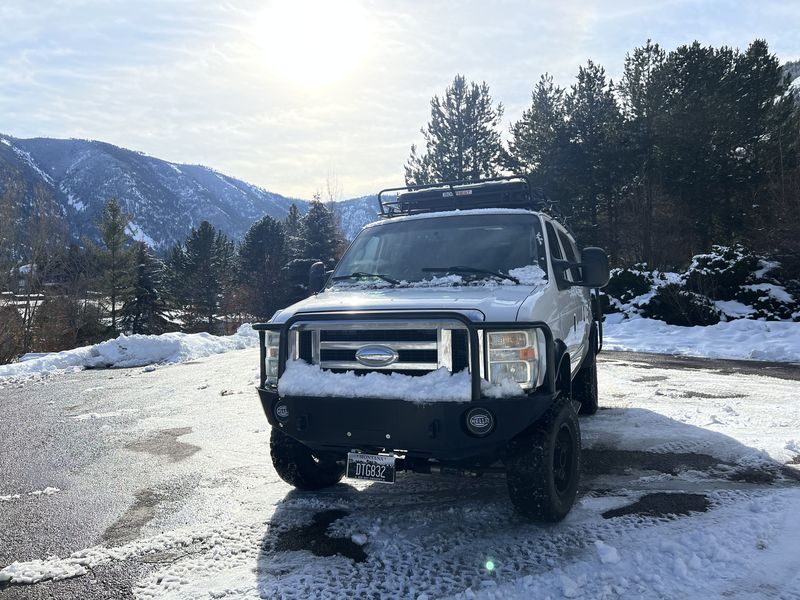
(282, 411)
(479, 421)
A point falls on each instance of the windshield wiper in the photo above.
(358, 274)
(468, 270)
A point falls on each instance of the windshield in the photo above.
(473, 247)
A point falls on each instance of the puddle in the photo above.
(315, 538)
(166, 443)
(663, 504)
(129, 525)
(607, 461)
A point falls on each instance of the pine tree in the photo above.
(292, 232)
(462, 140)
(144, 306)
(539, 139)
(262, 257)
(203, 266)
(593, 127)
(641, 92)
(115, 257)
(321, 238)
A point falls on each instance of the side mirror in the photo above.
(594, 265)
(316, 277)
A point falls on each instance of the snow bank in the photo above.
(302, 379)
(135, 351)
(741, 339)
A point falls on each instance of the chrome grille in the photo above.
(421, 346)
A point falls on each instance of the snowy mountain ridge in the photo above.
(74, 178)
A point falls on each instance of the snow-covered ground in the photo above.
(742, 339)
(721, 448)
(132, 351)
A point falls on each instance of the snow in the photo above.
(777, 292)
(48, 491)
(431, 537)
(529, 275)
(302, 379)
(734, 308)
(140, 236)
(740, 339)
(608, 554)
(526, 275)
(134, 351)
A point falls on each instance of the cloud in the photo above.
(187, 81)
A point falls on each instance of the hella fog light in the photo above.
(479, 421)
(281, 411)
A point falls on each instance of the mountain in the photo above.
(165, 199)
(357, 212)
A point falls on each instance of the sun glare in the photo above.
(313, 42)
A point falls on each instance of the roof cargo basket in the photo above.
(514, 191)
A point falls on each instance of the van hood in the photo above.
(479, 303)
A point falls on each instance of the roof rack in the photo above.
(512, 191)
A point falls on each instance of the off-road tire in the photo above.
(584, 385)
(298, 466)
(543, 466)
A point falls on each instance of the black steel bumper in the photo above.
(434, 430)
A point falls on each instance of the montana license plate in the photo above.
(370, 467)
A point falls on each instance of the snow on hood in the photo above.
(494, 303)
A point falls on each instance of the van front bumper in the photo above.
(437, 430)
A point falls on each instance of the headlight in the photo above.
(514, 356)
(273, 341)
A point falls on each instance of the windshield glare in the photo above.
(403, 249)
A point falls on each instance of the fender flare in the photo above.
(563, 369)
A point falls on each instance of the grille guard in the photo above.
(472, 328)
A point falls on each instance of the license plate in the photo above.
(370, 467)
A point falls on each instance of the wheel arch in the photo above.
(563, 369)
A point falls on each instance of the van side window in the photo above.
(572, 254)
(552, 240)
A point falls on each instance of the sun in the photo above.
(313, 42)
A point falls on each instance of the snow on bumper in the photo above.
(302, 379)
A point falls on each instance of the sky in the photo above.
(303, 96)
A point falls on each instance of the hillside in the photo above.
(165, 199)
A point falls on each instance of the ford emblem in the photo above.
(376, 356)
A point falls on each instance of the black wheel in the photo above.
(584, 386)
(543, 468)
(298, 466)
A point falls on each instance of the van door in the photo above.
(577, 304)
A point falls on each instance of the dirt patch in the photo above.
(795, 460)
(662, 504)
(691, 394)
(315, 538)
(166, 443)
(641, 360)
(129, 525)
(608, 461)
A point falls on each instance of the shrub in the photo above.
(675, 305)
(720, 274)
(627, 284)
